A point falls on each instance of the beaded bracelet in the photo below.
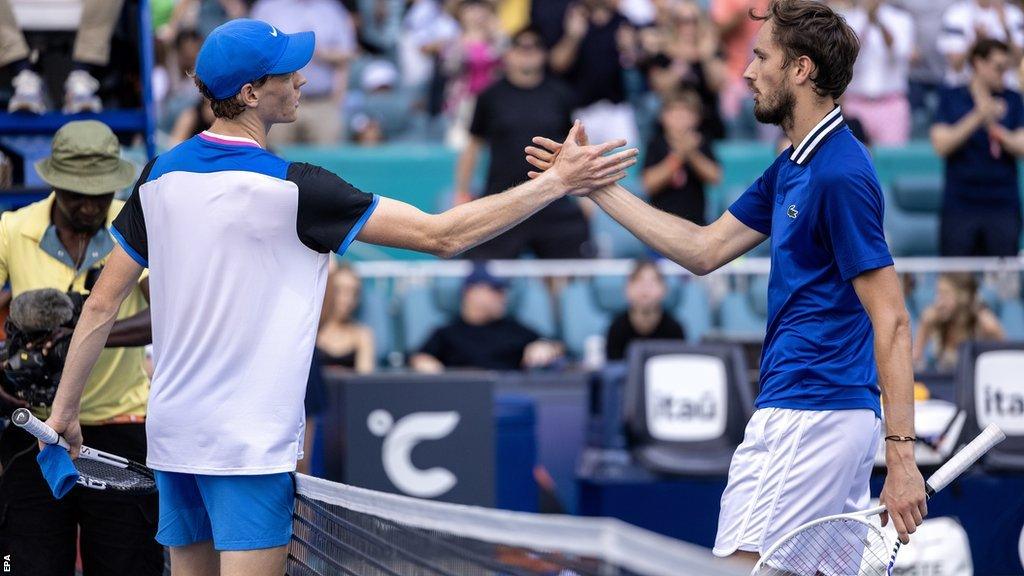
(901, 438)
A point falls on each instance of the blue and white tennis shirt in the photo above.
(822, 205)
(237, 243)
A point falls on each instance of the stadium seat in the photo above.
(580, 316)
(1011, 316)
(911, 214)
(610, 293)
(738, 316)
(532, 306)
(419, 316)
(694, 309)
(614, 241)
(686, 406)
(373, 311)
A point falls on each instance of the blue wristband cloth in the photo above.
(58, 470)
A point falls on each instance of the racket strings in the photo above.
(123, 478)
(840, 547)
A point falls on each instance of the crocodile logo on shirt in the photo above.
(792, 212)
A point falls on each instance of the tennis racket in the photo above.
(97, 470)
(856, 544)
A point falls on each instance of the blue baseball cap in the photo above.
(481, 275)
(244, 50)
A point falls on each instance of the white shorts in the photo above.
(795, 466)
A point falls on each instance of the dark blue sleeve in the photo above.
(853, 211)
(1015, 111)
(754, 207)
(331, 211)
(129, 227)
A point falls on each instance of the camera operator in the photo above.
(62, 243)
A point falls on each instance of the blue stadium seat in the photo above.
(419, 316)
(532, 306)
(580, 316)
(614, 241)
(1011, 316)
(610, 292)
(694, 309)
(759, 295)
(373, 311)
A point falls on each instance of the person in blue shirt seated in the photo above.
(646, 317)
(979, 133)
(837, 343)
(483, 336)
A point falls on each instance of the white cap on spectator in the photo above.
(379, 74)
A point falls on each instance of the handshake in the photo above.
(580, 167)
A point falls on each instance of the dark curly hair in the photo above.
(229, 107)
(810, 28)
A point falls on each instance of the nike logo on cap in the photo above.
(273, 31)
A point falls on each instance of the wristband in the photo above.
(895, 438)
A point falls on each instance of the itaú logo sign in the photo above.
(400, 438)
(685, 397)
(999, 390)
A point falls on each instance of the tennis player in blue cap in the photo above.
(237, 242)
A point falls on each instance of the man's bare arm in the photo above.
(135, 330)
(903, 493)
(118, 279)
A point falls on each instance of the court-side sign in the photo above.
(999, 390)
(686, 397)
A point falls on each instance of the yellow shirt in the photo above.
(118, 385)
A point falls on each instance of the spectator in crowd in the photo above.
(483, 336)
(191, 121)
(548, 17)
(877, 95)
(379, 110)
(927, 64)
(179, 94)
(589, 56)
(737, 31)
(956, 316)
(979, 132)
(342, 341)
(969, 21)
(646, 317)
(63, 242)
(427, 31)
(90, 55)
(379, 23)
(681, 52)
(524, 104)
(320, 115)
(204, 15)
(680, 161)
(472, 65)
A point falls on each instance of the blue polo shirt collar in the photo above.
(830, 124)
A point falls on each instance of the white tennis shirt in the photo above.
(237, 243)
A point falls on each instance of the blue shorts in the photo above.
(236, 512)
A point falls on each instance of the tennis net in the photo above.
(349, 531)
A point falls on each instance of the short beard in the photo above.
(780, 113)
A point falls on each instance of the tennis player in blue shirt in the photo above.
(838, 334)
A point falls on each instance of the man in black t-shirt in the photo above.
(646, 318)
(483, 337)
(524, 104)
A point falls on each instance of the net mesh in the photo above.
(839, 547)
(342, 530)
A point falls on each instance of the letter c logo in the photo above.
(399, 441)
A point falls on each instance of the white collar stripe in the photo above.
(821, 136)
(828, 124)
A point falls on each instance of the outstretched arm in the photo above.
(580, 167)
(119, 277)
(699, 249)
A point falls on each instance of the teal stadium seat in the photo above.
(912, 205)
(610, 293)
(1011, 316)
(419, 316)
(373, 312)
(738, 316)
(694, 309)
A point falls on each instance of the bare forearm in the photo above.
(470, 224)
(706, 169)
(896, 375)
(563, 55)
(135, 330)
(90, 336)
(680, 240)
(657, 177)
(947, 139)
